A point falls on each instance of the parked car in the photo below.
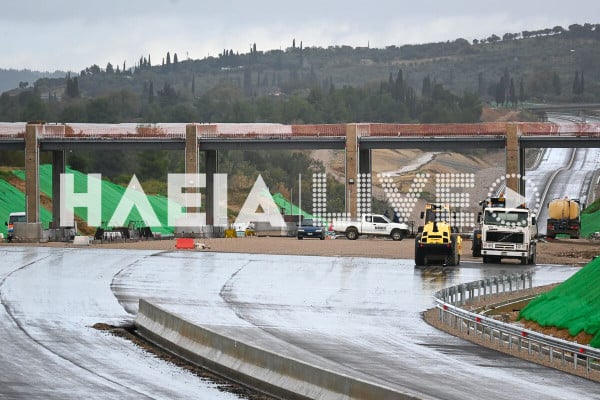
(311, 228)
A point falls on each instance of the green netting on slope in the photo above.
(287, 207)
(111, 196)
(590, 223)
(573, 305)
(13, 200)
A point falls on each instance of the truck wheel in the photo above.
(453, 259)
(532, 256)
(486, 260)
(397, 234)
(419, 255)
(524, 260)
(532, 259)
(352, 234)
(300, 238)
(322, 236)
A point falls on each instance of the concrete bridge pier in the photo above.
(358, 161)
(364, 168)
(58, 168)
(191, 150)
(192, 163)
(515, 160)
(352, 163)
(32, 231)
(211, 158)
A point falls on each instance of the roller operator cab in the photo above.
(437, 241)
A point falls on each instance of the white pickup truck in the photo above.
(371, 224)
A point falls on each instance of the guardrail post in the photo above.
(587, 363)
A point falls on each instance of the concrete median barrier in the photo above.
(256, 367)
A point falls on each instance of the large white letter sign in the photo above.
(134, 196)
(180, 200)
(260, 197)
(92, 199)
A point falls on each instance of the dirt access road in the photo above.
(563, 251)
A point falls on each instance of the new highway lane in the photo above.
(355, 315)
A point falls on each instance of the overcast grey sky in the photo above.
(74, 34)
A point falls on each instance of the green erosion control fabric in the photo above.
(111, 196)
(573, 305)
(13, 200)
(590, 223)
(287, 207)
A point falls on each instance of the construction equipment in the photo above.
(563, 218)
(506, 232)
(437, 241)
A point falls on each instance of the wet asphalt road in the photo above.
(356, 315)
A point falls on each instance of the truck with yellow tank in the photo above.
(564, 218)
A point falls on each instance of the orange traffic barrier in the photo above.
(185, 243)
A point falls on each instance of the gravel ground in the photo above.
(564, 251)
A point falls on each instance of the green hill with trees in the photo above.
(441, 82)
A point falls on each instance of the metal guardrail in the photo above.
(449, 300)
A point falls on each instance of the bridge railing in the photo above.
(562, 129)
(12, 130)
(280, 131)
(269, 131)
(505, 335)
(425, 130)
(114, 131)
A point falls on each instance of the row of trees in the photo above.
(392, 101)
(542, 83)
(574, 31)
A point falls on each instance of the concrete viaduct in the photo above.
(357, 139)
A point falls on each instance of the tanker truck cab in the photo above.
(508, 233)
(12, 218)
